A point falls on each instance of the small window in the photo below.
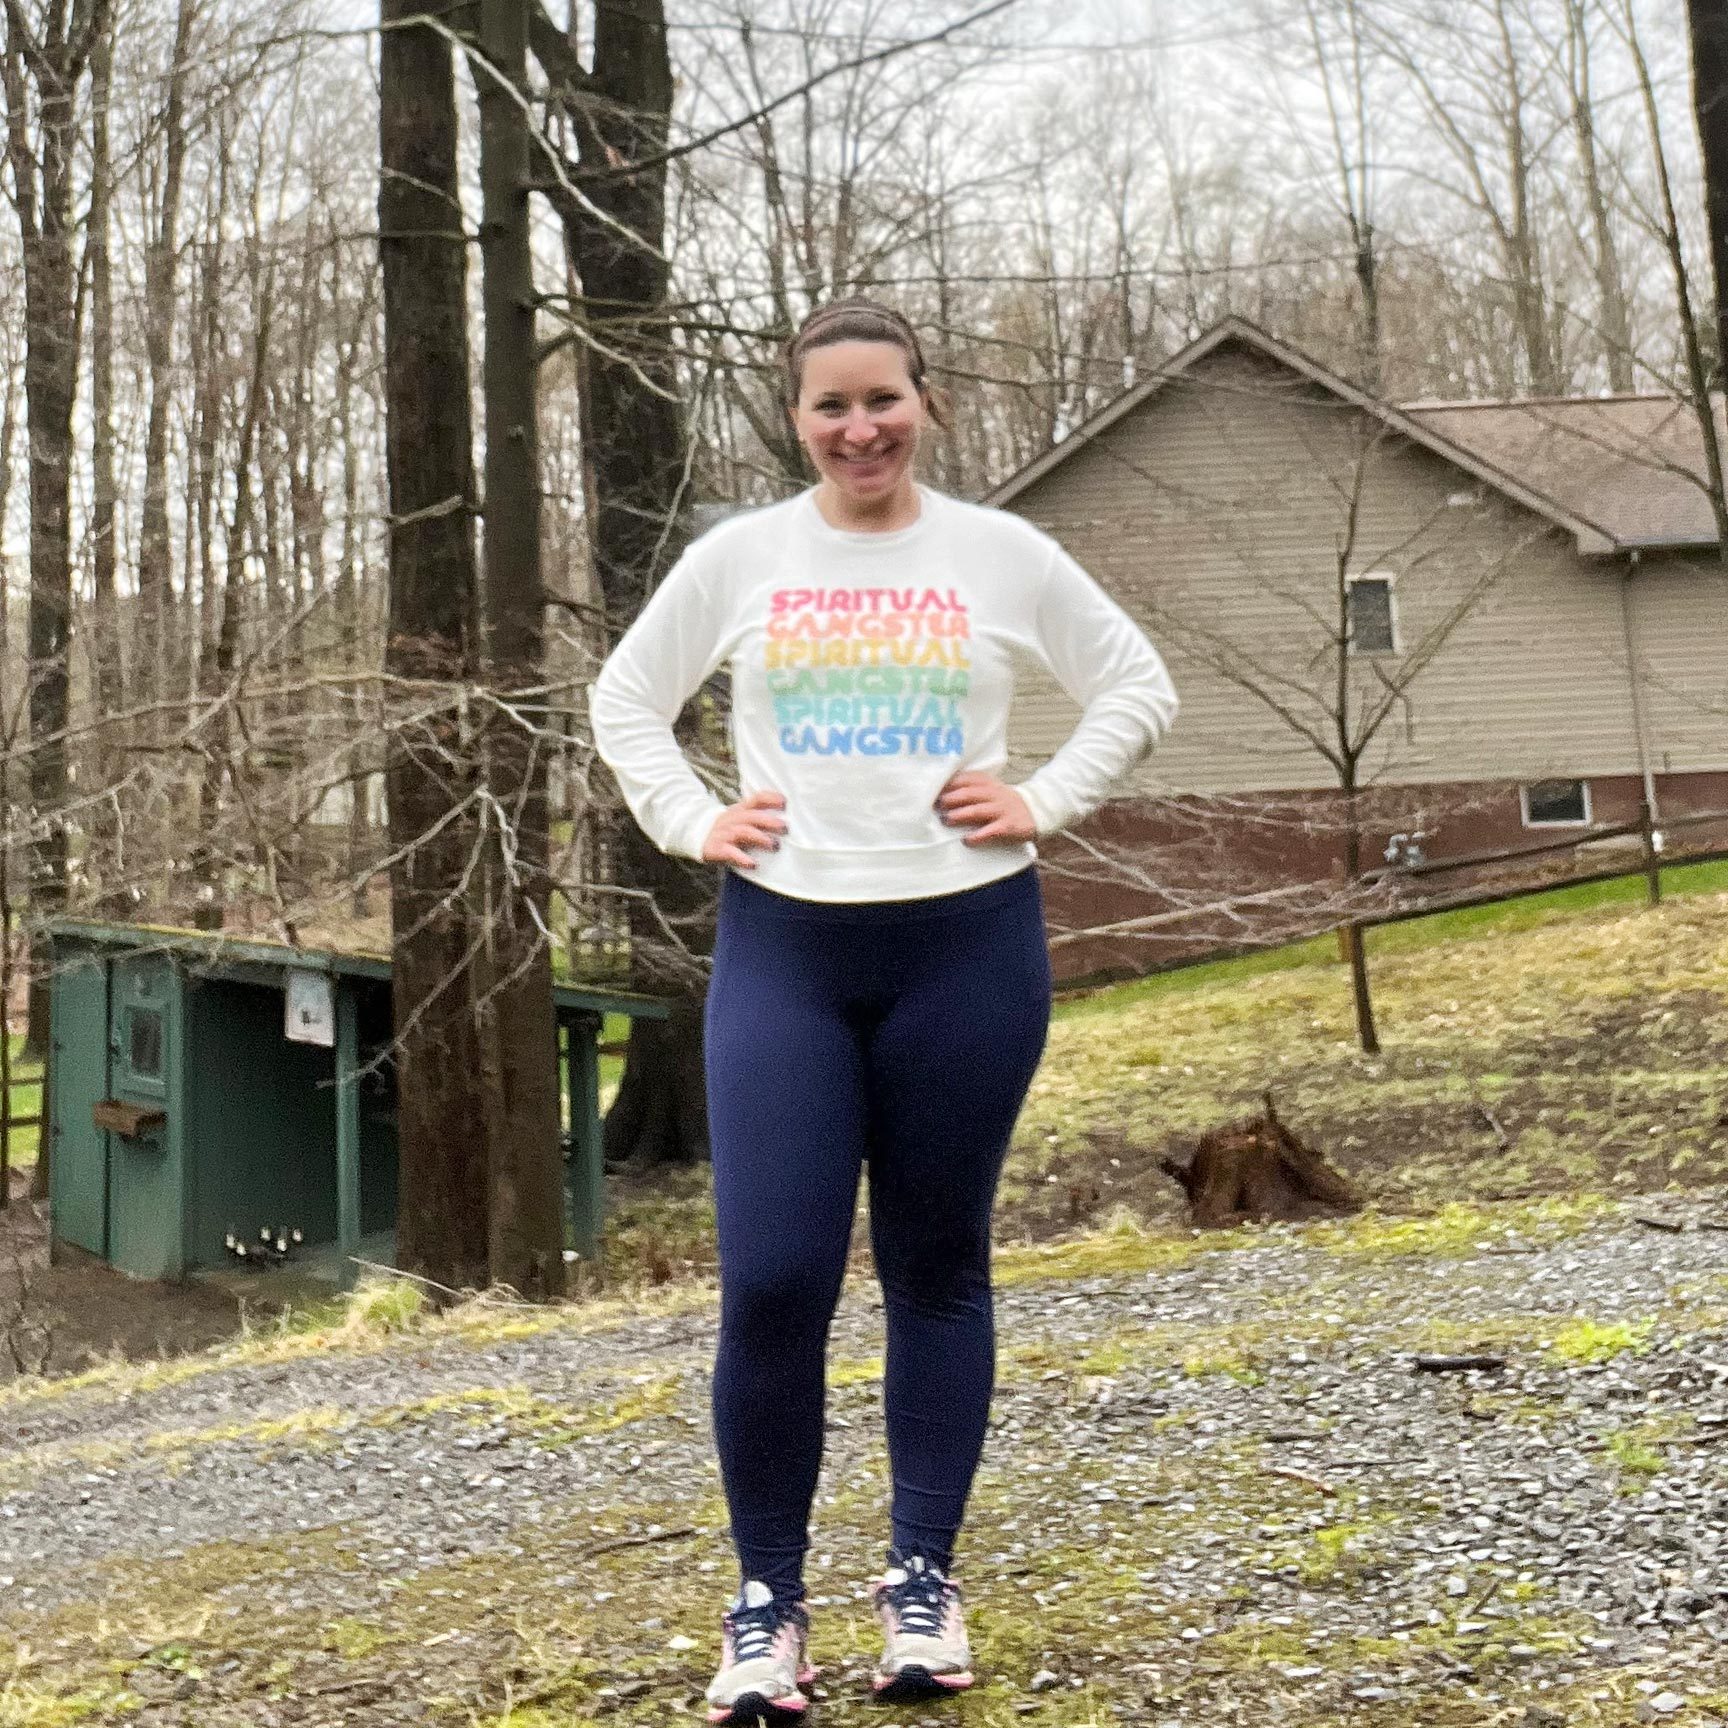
(1556, 804)
(1373, 618)
(144, 1042)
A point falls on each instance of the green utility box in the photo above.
(201, 1087)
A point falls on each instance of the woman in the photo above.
(881, 985)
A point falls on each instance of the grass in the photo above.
(1592, 1341)
(1590, 1026)
(1551, 1051)
(604, 1616)
(26, 1100)
(1572, 1044)
(1506, 917)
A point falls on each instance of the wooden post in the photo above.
(347, 1127)
(587, 1178)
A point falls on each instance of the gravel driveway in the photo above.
(1218, 1488)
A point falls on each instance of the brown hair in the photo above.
(857, 319)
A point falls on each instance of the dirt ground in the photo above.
(58, 1319)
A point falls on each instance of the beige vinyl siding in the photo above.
(1679, 609)
(1214, 513)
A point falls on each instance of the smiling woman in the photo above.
(881, 985)
(859, 401)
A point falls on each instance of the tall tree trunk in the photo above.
(1709, 25)
(42, 72)
(104, 865)
(1692, 339)
(1614, 320)
(161, 261)
(222, 736)
(1355, 952)
(441, 1220)
(518, 1033)
(633, 453)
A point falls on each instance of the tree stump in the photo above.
(1259, 1170)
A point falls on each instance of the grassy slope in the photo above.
(1592, 1027)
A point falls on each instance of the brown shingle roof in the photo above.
(1633, 465)
(1616, 472)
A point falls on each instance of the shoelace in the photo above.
(920, 1602)
(754, 1630)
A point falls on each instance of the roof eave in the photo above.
(1589, 535)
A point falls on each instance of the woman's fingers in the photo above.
(751, 822)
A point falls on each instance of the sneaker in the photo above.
(764, 1660)
(927, 1653)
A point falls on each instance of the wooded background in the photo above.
(362, 373)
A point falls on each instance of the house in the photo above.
(1479, 623)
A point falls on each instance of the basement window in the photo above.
(1556, 804)
(1372, 614)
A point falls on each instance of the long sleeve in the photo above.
(1103, 660)
(660, 663)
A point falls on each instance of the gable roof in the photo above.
(1613, 491)
(1633, 463)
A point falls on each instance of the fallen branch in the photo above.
(1671, 1225)
(1457, 1364)
(1314, 1482)
(638, 1541)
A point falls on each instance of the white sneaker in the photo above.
(764, 1660)
(927, 1653)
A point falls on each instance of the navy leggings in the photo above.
(894, 1035)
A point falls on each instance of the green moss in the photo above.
(1590, 1341)
(1109, 1254)
(27, 1706)
(1634, 1457)
(387, 1305)
(1230, 1362)
(351, 1638)
(861, 1371)
(1457, 1229)
(1252, 1644)
(1332, 1551)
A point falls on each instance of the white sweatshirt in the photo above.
(867, 669)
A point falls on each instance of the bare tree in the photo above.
(635, 458)
(44, 65)
(1664, 221)
(518, 1037)
(442, 1218)
(164, 179)
(1709, 36)
(1613, 313)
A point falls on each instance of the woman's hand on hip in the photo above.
(981, 802)
(750, 823)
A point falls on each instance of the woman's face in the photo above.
(860, 416)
